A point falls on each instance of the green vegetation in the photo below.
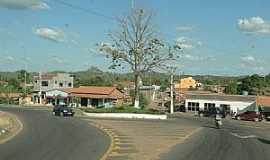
(254, 84)
(231, 88)
(122, 109)
(5, 94)
(143, 100)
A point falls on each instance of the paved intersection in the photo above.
(143, 139)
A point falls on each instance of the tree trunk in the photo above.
(137, 92)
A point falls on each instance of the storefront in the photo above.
(56, 97)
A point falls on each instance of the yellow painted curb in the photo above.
(111, 147)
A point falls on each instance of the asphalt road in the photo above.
(236, 140)
(46, 137)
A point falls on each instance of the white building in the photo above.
(50, 81)
(210, 102)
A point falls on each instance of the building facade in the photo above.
(186, 83)
(86, 96)
(232, 103)
(50, 81)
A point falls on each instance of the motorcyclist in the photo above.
(218, 118)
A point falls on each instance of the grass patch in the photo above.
(122, 109)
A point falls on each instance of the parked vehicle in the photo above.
(73, 105)
(250, 116)
(63, 110)
(266, 116)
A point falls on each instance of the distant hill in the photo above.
(95, 76)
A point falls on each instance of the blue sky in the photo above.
(219, 37)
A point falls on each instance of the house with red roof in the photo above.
(86, 96)
(263, 102)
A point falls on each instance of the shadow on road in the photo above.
(264, 140)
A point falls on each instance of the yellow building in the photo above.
(185, 83)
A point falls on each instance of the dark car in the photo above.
(249, 116)
(63, 110)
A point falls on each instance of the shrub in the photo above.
(122, 109)
(143, 99)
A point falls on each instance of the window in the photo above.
(70, 84)
(44, 83)
(60, 84)
(35, 81)
(189, 106)
(205, 106)
(193, 106)
(225, 108)
(55, 82)
(210, 106)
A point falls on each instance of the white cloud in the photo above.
(199, 43)
(75, 42)
(192, 57)
(184, 43)
(187, 43)
(57, 60)
(10, 58)
(254, 25)
(184, 28)
(24, 4)
(248, 59)
(50, 34)
(89, 50)
(254, 64)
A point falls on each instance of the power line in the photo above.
(84, 9)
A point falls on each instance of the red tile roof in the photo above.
(90, 90)
(263, 100)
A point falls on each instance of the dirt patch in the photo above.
(9, 126)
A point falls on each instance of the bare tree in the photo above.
(137, 45)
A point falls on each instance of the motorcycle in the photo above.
(218, 123)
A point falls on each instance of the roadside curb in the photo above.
(112, 138)
(126, 116)
(20, 127)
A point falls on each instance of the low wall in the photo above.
(126, 115)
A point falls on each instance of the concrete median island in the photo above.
(126, 115)
(10, 126)
(125, 112)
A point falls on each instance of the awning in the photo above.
(93, 96)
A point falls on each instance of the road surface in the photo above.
(236, 140)
(46, 137)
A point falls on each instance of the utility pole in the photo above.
(40, 98)
(172, 70)
(171, 107)
(25, 68)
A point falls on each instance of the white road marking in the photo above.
(243, 137)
